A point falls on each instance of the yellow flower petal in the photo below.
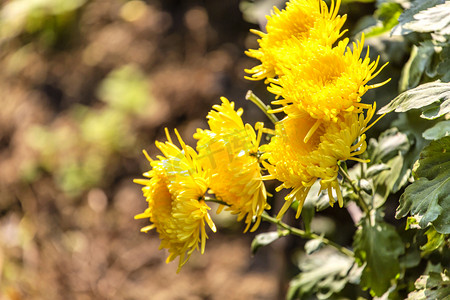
(229, 151)
(174, 192)
(304, 21)
(328, 82)
(298, 164)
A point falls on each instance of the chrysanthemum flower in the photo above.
(229, 151)
(298, 164)
(330, 81)
(175, 195)
(302, 22)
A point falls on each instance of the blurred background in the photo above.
(85, 85)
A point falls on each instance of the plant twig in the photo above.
(357, 191)
(292, 230)
(306, 235)
(265, 108)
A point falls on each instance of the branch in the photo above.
(306, 235)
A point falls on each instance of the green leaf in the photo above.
(313, 245)
(416, 7)
(378, 246)
(387, 167)
(429, 196)
(315, 199)
(366, 186)
(443, 67)
(391, 180)
(412, 223)
(415, 68)
(264, 239)
(388, 145)
(413, 126)
(438, 131)
(434, 241)
(434, 19)
(411, 258)
(432, 286)
(323, 273)
(409, 15)
(436, 111)
(308, 213)
(419, 97)
(376, 169)
(388, 13)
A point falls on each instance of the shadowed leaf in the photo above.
(438, 131)
(432, 286)
(264, 239)
(324, 273)
(382, 263)
(429, 196)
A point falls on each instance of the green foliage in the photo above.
(412, 14)
(436, 110)
(418, 65)
(377, 246)
(308, 213)
(427, 16)
(264, 239)
(435, 241)
(429, 196)
(410, 161)
(438, 131)
(314, 245)
(443, 67)
(389, 144)
(432, 286)
(386, 168)
(426, 25)
(323, 273)
(420, 97)
(387, 13)
(413, 126)
(315, 201)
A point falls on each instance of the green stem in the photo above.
(292, 230)
(306, 235)
(265, 108)
(357, 191)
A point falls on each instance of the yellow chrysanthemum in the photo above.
(229, 151)
(298, 164)
(304, 23)
(330, 81)
(175, 192)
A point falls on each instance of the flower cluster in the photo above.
(225, 164)
(175, 195)
(318, 82)
(318, 86)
